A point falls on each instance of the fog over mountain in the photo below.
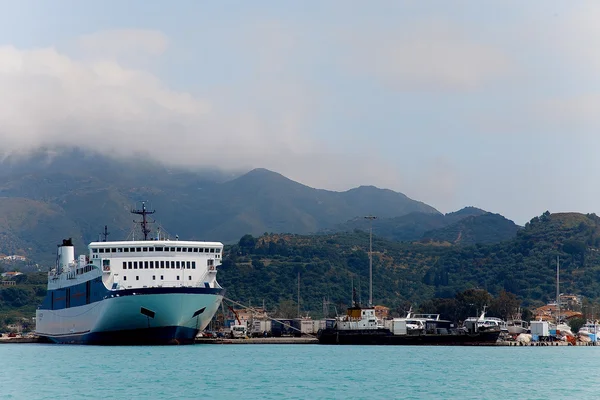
(453, 104)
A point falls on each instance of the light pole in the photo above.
(370, 218)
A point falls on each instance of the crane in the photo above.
(239, 330)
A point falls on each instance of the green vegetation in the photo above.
(426, 275)
(456, 281)
(18, 303)
(465, 227)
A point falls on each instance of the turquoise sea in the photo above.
(36, 371)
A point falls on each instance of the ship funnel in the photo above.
(65, 256)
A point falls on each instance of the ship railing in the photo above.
(124, 285)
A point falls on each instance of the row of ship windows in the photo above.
(163, 264)
(162, 278)
(155, 249)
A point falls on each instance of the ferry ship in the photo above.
(151, 291)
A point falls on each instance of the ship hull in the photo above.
(385, 337)
(131, 317)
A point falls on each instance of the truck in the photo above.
(260, 327)
(238, 330)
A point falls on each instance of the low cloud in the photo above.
(54, 99)
(431, 55)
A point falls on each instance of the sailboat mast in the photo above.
(370, 218)
(557, 290)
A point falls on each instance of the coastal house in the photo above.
(381, 312)
(14, 257)
(11, 274)
(548, 313)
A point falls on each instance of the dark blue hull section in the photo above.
(147, 336)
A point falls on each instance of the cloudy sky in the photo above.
(494, 104)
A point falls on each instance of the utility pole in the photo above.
(298, 294)
(370, 218)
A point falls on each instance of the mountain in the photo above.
(89, 191)
(483, 229)
(467, 226)
(416, 272)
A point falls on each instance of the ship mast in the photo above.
(105, 234)
(144, 223)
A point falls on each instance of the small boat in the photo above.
(517, 326)
(485, 324)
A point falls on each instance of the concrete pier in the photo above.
(262, 340)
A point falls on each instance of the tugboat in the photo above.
(360, 326)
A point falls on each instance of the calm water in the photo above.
(31, 371)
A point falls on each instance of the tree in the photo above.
(505, 305)
(472, 301)
(247, 243)
(287, 309)
(576, 324)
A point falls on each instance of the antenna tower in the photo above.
(144, 223)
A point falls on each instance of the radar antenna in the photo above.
(144, 223)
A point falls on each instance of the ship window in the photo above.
(177, 277)
(113, 250)
(162, 277)
(177, 264)
(101, 250)
(210, 263)
(212, 250)
(201, 250)
(153, 277)
(152, 264)
(158, 249)
(206, 250)
(184, 249)
(137, 278)
(172, 264)
(150, 248)
(193, 264)
(195, 249)
(187, 265)
(218, 251)
(138, 249)
(124, 264)
(94, 250)
(145, 264)
(129, 265)
(119, 250)
(162, 264)
(179, 249)
(145, 249)
(126, 250)
(135, 265)
(189, 277)
(124, 278)
(166, 248)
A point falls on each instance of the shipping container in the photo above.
(281, 327)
